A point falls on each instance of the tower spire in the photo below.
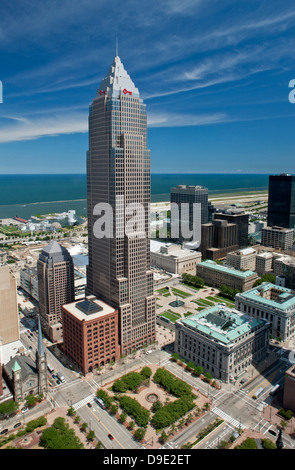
(40, 349)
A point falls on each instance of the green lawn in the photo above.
(180, 293)
(172, 316)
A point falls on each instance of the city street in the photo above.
(233, 403)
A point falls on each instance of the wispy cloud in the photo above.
(35, 128)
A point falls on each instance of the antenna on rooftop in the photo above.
(116, 47)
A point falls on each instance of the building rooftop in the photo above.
(88, 308)
(222, 324)
(282, 297)
(117, 81)
(225, 269)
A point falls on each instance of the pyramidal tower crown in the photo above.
(117, 81)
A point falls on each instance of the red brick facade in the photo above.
(90, 342)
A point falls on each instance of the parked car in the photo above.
(17, 425)
(24, 410)
(4, 431)
(89, 405)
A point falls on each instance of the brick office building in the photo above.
(90, 333)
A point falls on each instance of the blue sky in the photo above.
(214, 76)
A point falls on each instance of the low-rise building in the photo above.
(273, 303)
(215, 275)
(90, 333)
(244, 259)
(222, 340)
(173, 258)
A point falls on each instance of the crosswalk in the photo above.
(83, 402)
(227, 418)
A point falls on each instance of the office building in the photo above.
(174, 258)
(90, 333)
(239, 218)
(244, 259)
(222, 341)
(190, 195)
(218, 238)
(55, 271)
(273, 303)
(281, 201)
(118, 178)
(216, 275)
(9, 322)
(277, 237)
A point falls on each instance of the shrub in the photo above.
(287, 414)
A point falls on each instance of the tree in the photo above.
(60, 436)
(123, 417)
(131, 425)
(146, 372)
(198, 370)
(91, 436)
(83, 426)
(139, 434)
(31, 400)
(8, 408)
(163, 437)
(71, 411)
(190, 366)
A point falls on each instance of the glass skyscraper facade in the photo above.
(118, 176)
(281, 201)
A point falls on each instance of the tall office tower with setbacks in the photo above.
(118, 177)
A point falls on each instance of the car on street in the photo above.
(89, 405)
(110, 437)
(17, 425)
(243, 381)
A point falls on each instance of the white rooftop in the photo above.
(117, 81)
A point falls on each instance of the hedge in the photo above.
(168, 414)
(140, 414)
(172, 384)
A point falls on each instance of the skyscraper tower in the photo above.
(55, 269)
(281, 201)
(118, 177)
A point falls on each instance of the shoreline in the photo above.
(31, 209)
(218, 196)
